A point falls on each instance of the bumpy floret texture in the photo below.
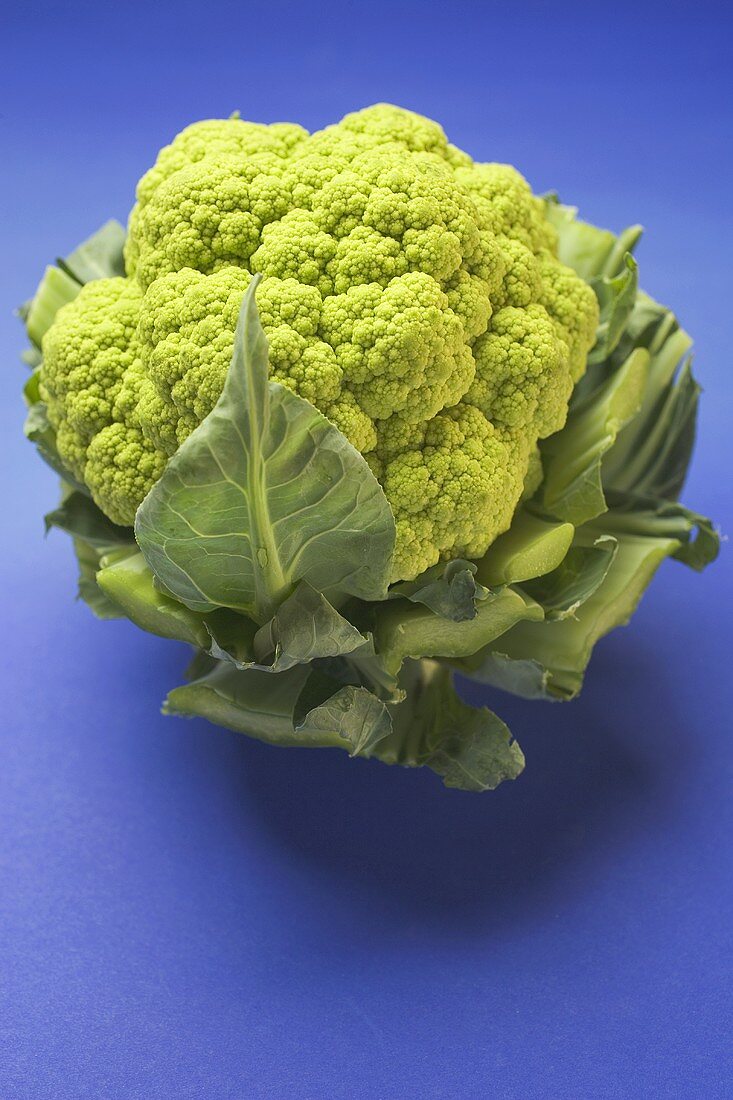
(413, 296)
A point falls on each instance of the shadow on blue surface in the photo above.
(598, 770)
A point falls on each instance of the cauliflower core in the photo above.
(411, 295)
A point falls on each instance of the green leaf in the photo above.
(31, 357)
(470, 748)
(125, 579)
(354, 715)
(581, 571)
(263, 494)
(251, 702)
(40, 432)
(98, 257)
(93, 536)
(590, 251)
(563, 648)
(572, 459)
(55, 290)
(401, 632)
(305, 628)
(231, 637)
(79, 516)
(524, 677)
(631, 514)
(701, 545)
(285, 709)
(88, 590)
(561, 593)
(449, 589)
(364, 667)
(652, 453)
(658, 462)
(530, 548)
(201, 665)
(654, 327)
(32, 387)
(616, 296)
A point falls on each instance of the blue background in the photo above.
(185, 913)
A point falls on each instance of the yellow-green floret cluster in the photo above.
(414, 296)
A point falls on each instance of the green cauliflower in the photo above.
(414, 297)
(357, 413)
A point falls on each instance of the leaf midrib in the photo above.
(263, 535)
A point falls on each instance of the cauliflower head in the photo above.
(413, 296)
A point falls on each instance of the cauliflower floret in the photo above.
(185, 339)
(384, 127)
(573, 307)
(508, 205)
(393, 124)
(296, 248)
(522, 372)
(453, 488)
(86, 355)
(522, 281)
(208, 215)
(350, 419)
(212, 139)
(122, 467)
(402, 349)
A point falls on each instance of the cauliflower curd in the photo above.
(411, 295)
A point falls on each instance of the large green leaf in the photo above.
(469, 748)
(265, 493)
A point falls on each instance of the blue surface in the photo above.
(188, 914)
